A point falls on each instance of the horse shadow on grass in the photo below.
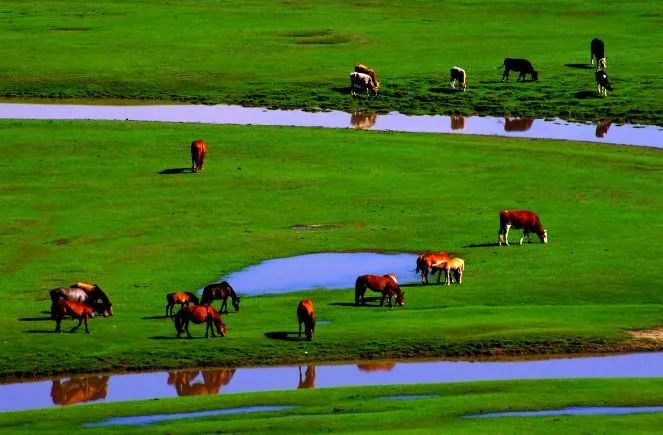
(35, 319)
(585, 94)
(183, 337)
(579, 65)
(283, 335)
(155, 317)
(45, 331)
(481, 245)
(375, 303)
(171, 171)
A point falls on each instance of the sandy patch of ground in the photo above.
(652, 334)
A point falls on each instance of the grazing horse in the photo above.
(79, 389)
(425, 261)
(455, 265)
(527, 220)
(308, 380)
(95, 292)
(77, 310)
(182, 298)
(221, 290)
(384, 284)
(198, 153)
(199, 314)
(81, 296)
(306, 315)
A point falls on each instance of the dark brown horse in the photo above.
(221, 290)
(182, 298)
(306, 315)
(426, 261)
(385, 284)
(199, 314)
(75, 294)
(77, 310)
(80, 389)
(96, 293)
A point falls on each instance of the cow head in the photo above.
(544, 236)
(602, 62)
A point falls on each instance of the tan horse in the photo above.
(385, 284)
(182, 298)
(425, 261)
(455, 265)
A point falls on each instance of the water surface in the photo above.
(603, 131)
(152, 385)
(595, 410)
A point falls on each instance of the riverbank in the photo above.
(114, 203)
(293, 56)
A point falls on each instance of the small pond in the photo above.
(334, 270)
(603, 131)
(590, 410)
(173, 383)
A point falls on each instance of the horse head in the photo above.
(220, 327)
(400, 298)
(236, 302)
(104, 309)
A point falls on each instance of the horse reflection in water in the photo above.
(457, 122)
(77, 390)
(602, 127)
(376, 367)
(363, 120)
(308, 380)
(212, 381)
(517, 124)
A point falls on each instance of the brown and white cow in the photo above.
(198, 153)
(458, 75)
(520, 219)
(360, 68)
(363, 83)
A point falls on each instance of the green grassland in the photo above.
(364, 410)
(298, 54)
(86, 201)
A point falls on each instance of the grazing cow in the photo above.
(527, 220)
(182, 298)
(363, 120)
(455, 265)
(597, 50)
(425, 262)
(306, 315)
(602, 62)
(602, 83)
(198, 153)
(458, 75)
(517, 124)
(363, 83)
(523, 66)
(602, 127)
(366, 70)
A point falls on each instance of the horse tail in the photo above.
(360, 285)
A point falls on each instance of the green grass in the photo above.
(363, 410)
(293, 54)
(85, 201)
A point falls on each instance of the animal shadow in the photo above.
(341, 90)
(44, 331)
(579, 65)
(480, 245)
(444, 90)
(34, 319)
(174, 337)
(155, 317)
(585, 94)
(376, 300)
(175, 171)
(283, 335)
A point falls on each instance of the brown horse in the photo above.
(95, 292)
(198, 154)
(77, 310)
(199, 314)
(306, 315)
(77, 390)
(385, 284)
(79, 295)
(221, 290)
(426, 261)
(182, 298)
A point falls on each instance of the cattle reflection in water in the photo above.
(376, 367)
(517, 124)
(602, 127)
(77, 390)
(363, 120)
(457, 122)
(212, 382)
(308, 380)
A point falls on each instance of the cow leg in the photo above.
(506, 234)
(452, 84)
(505, 75)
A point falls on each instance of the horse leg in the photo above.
(171, 313)
(80, 321)
(58, 320)
(300, 330)
(87, 331)
(384, 295)
(186, 327)
(224, 306)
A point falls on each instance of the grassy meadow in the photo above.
(365, 410)
(86, 201)
(296, 54)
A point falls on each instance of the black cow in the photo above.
(597, 50)
(523, 66)
(602, 82)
